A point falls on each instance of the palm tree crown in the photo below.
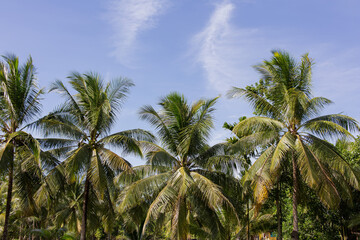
(289, 124)
(20, 102)
(84, 122)
(182, 190)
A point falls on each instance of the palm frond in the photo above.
(315, 174)
(129, 140)
(259, 103)
(335, 125)
(282, 149)
(329, 155)
(78, 160)
(127, 177)
(141, 190)
(327, 129)
(256, 124)
(6, 155)
(160, 157)
(149, 114)
(113, 160)
(211, 193)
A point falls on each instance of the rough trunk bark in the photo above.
(295, 232)
(20, 232)
(85, 206)
(278, 212)
(248, 220)
(8, 201)
(32, 235)
(344, 234)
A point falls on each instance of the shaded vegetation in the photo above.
(286, 170)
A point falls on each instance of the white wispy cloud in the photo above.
(223, 49)
(128, 19)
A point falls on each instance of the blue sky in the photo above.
(197, 47)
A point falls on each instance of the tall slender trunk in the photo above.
(85, 206)
(344, 234)
(278, 212)
(20, 232)
(8, 200)
(33, 235)
(248, 220)
(295, 232)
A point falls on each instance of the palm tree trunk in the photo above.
(344, 234)
(295, 232)
(32, 235)
(278, 212)
(8, 200)
(85, 206)
(20, 232)
(248, 220)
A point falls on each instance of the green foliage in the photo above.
(287, 122)
(73, 183)
(350, 150)
(19, 151)
(81, 127)
(315, 221)
(187, 182)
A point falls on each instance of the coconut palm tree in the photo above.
(290, 113)
(68, 206)
(185, 195)
(20, 103)
(245, 153)
(81, 129)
